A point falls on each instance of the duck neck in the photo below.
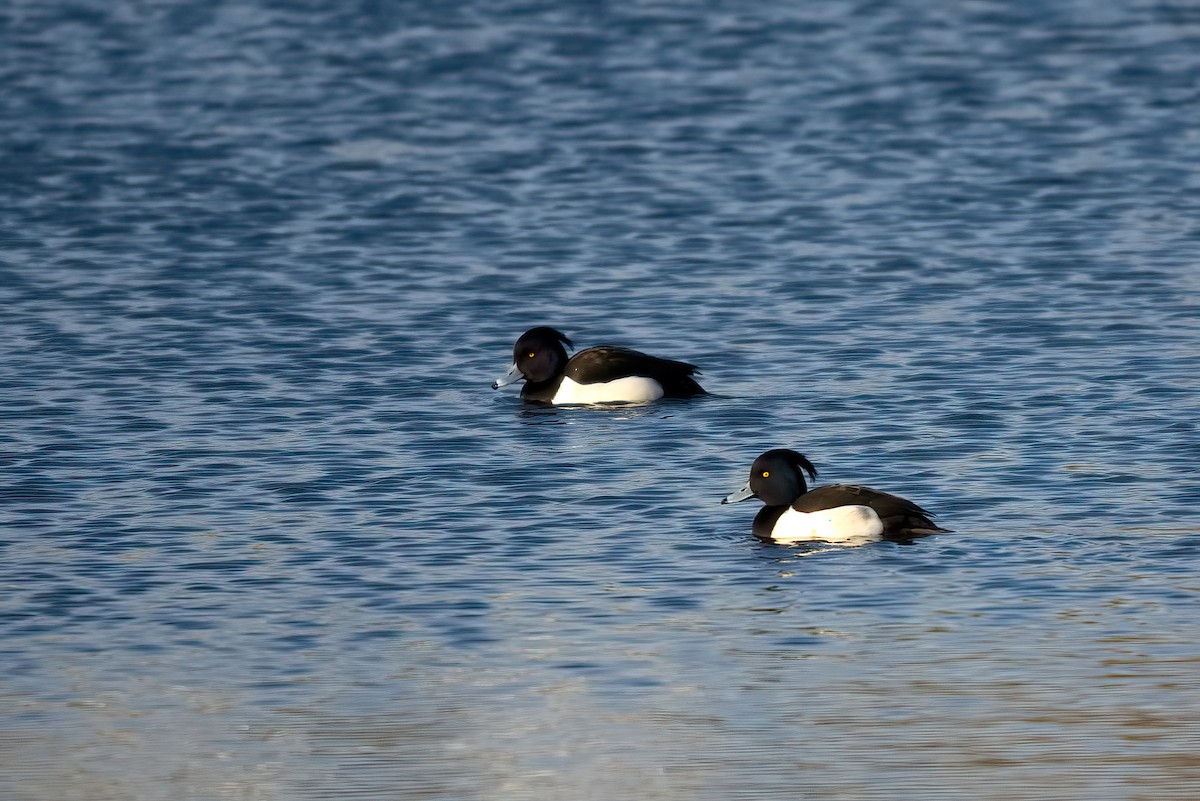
(764, 521)
(542, 391)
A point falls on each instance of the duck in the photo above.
(601, 374)
(847, 514)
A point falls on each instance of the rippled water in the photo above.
(269, 535)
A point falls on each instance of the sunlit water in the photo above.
(269, 535)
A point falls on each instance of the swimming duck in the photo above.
(603, 374)
(841, 513)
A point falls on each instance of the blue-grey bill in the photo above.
(513, 374)
(741, 495)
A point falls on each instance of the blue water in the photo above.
(268, 535)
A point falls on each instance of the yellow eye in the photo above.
(532, 355)
(766, 474)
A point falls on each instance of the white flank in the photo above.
(634, 389)
(850, 525)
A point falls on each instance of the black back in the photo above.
(902, 519)
(608, 362)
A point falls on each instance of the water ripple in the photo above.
(269, 535)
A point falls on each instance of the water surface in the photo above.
(268, 534)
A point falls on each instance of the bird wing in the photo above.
(605, 363)
(885, 504)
